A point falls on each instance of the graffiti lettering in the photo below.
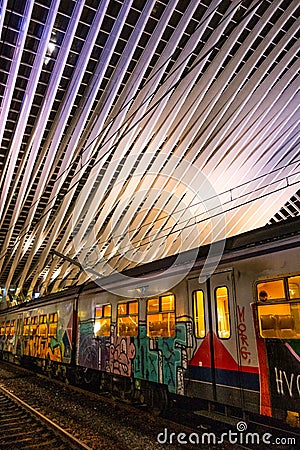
(242, 328)
(122, 353)
(287, 383)
(164, 360)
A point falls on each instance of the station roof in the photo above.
(132, 130)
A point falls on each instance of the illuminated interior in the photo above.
(127, 319)
(199, 319)
(102, 320)
(222, 312)
(161, 316)
(53, 318)
(279, 312)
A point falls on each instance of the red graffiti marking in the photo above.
(242, 328)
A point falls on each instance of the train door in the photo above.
(214, 366)
(224, 339)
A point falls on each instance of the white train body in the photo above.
(214, 341)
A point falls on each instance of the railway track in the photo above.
(23, 427)
(180, 420)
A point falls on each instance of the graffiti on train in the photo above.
(164, 360)
(243, 338)
(122, 353)
(154, 359)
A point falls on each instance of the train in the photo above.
(229, 343)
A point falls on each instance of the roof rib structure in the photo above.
(135, 129)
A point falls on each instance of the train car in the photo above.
(231, 342)
(40, 334)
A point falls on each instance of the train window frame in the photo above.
(289, 289)
(12, 327)
(26, 326)
(159, 331)
(227, 313)
(34, 321)
(264, 287)
(196, 314)
(53, 324)
(278, 317)
(103, 320)
(131, 330)
(43, 326)
(7, 327)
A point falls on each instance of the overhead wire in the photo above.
(213, 215)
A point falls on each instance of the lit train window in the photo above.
(270, 290)
(43, 328)
(2, 328)
(12, 327)
(278, 312)
(222, 311)
(33, 326)
(127, 320)
(161, 316)
(7, 327)
(294, 287)
(102, 320)
(26, 326)
(198, 309)
(53, 319)
(280, 321)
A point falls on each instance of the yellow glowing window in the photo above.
(7, 327)
(2, 328)
(26, 326)
(279, 321)
(161, 316)
(102, 320)
(294, 287)
(33, 325)
(43, 329)
(270, 290)
(222, 310)
(198, 309)
(279, 312)
(53, 319)
(127, 320)
(12, 327)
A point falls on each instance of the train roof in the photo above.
(266, 239)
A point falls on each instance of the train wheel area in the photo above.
(196, 419)
(99, 421)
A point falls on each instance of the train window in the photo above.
(270, 290)
(2, 328)
(198, 309)
(33, 325)
(161, 316)
(294, 287)
(12, 327)
(102, 320)
(127, 320)
(279, 318)
(43, 328)
(7, 327)
(26, 326)
(280, 321)
(53, 319)
(222, 310)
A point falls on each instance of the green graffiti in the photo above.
(161, 360)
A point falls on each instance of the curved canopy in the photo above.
(135, 129)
